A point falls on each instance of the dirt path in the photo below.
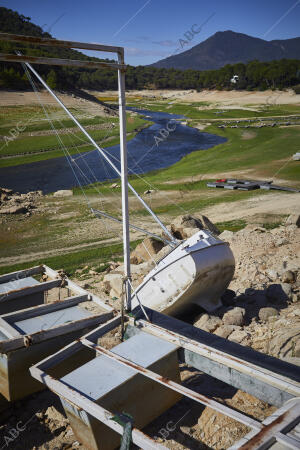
(55, 252)
(277, 203)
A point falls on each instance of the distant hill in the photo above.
(228, 47)
(12, 75)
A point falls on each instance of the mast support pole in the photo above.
(124, 180)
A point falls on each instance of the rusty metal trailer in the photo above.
(20, 290)
(265, 377)
(27, 335)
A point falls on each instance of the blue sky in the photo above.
(154, 29)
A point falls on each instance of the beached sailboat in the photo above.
(195, 271)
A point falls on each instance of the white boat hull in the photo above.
(197, 272)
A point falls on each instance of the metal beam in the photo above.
(21, 274)
(82, 402)
(43, 309)
(57, 330)
(274, 429)
(237, 365)
(60, 43)
(124, 183)
(41, 287)
(59, 62)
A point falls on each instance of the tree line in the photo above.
(255, 75)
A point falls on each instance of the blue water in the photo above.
(158, 146)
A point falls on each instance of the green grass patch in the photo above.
(199, 203)
(72, 261)
(271, 226)
(44, 125)
(231, 225)
(39, 148)
(194, 111)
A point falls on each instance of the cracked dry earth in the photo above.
(261, 311)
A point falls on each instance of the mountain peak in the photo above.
(230, 47)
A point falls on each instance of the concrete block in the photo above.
(120, 389)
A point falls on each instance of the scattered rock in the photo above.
(208, 323)
(265, 313)
(93, 272)
(225, 330)
(15, 203)
(136, 269)
(288, 277)
(234, 317)
(63, 193)
(260, 229)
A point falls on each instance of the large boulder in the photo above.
(289, 277)
(135, 269)
(226, 235)
(146, 250)
(285, 341)
(184, 227)
(265, 313)
(63, 193)
(234, 316)
(225, 331)
(14, 210)
(293, 219)
(208, 323)
(113, 284)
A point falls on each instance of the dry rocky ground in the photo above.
(15, 203)
(261, 310)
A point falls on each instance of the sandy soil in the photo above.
(228, 99)
(10, 98)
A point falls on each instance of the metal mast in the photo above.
(124, 180)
